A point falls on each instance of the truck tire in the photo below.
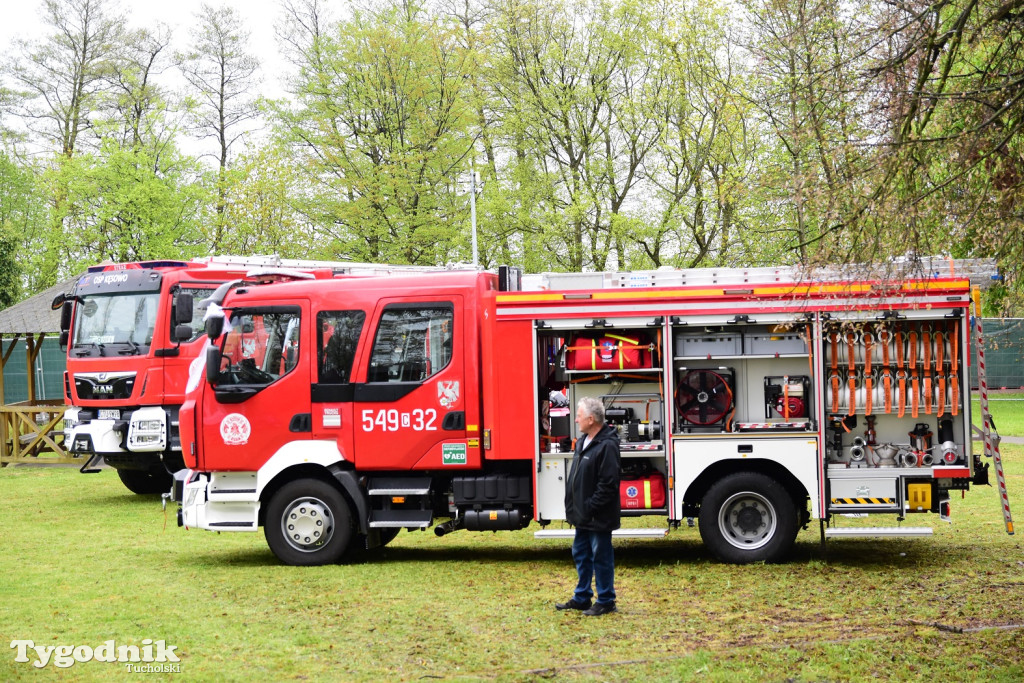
(748, 517)
(143, 482)
(308, 523)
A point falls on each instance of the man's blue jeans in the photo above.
(594, 558)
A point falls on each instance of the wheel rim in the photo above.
(307, 524)
(747, 520)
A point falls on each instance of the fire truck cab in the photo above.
(131, 331)
(749, 401)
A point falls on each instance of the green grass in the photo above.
(1007, 410)
(85, 562)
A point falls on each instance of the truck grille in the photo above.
(105, 385)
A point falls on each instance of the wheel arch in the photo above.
(341, 478)
(698, 488)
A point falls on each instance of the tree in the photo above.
(23, 217)
(10, 272)
(953, 125)
(380, 130)
(703, 167)
(127, 205)
(574, 80)
(260, 211)
(223, 75)
(808, 53)
(65, 78)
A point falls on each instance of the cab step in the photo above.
(398, 486)
(400, 519)
(618, 533)
(877, 532)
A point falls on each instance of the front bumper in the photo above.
(217, 501)
(135, 443)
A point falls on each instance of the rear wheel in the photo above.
(308, 523)
(155, 480)
(748, 517)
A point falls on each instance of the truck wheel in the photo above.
(748, 517)
(308, 523)
(142, 482)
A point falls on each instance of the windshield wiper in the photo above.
(80, 349)
(133, 349)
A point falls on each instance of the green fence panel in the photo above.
(48, 372)
(1004, 353)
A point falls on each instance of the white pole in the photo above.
(472, 211)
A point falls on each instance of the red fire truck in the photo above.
(131, 332)
(749, 401)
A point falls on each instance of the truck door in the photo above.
(260, 400)
(338, 332)
(411, 408)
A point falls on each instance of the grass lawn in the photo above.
(85, 562)
(1007, 410)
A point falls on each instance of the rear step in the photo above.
(877, 531)
(618, 533)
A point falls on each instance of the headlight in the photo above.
(147, 430)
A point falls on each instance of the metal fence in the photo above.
(48, 372)
(1004, 353)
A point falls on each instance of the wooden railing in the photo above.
(33, 433)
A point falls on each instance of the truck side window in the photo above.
(337, 336)
(260, 348)
(413, 342)
(198, 325)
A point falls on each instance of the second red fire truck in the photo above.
(749, 401)
(131, 331)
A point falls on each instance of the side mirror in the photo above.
(212, 362)
(64, 335)
(214, 326)
(58, 301)
(182, 333)
(65, 316)
(183, 308)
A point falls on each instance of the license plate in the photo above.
(108, 414)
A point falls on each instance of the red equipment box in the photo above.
(643, 493)
(611, 352)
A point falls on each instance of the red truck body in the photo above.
(752, 405)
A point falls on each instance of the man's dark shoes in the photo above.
(599, 608)
(573, 604)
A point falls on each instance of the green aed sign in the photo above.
(453, 454)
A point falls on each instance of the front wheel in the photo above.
(308, 523)
(748, 517)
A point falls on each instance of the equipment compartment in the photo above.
(772, 344)
(708, 343)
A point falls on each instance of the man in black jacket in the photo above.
(592, 506)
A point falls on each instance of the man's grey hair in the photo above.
(593, 407)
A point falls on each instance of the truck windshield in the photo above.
(115, 325)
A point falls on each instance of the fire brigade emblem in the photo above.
(248, 348)
(448, 393)
(235, 430)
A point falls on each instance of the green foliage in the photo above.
(10, 272)
(380, 132)
(126, 204)
(23, 221)
(260, 210)
(609, 134)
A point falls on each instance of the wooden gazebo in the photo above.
(32, 428)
